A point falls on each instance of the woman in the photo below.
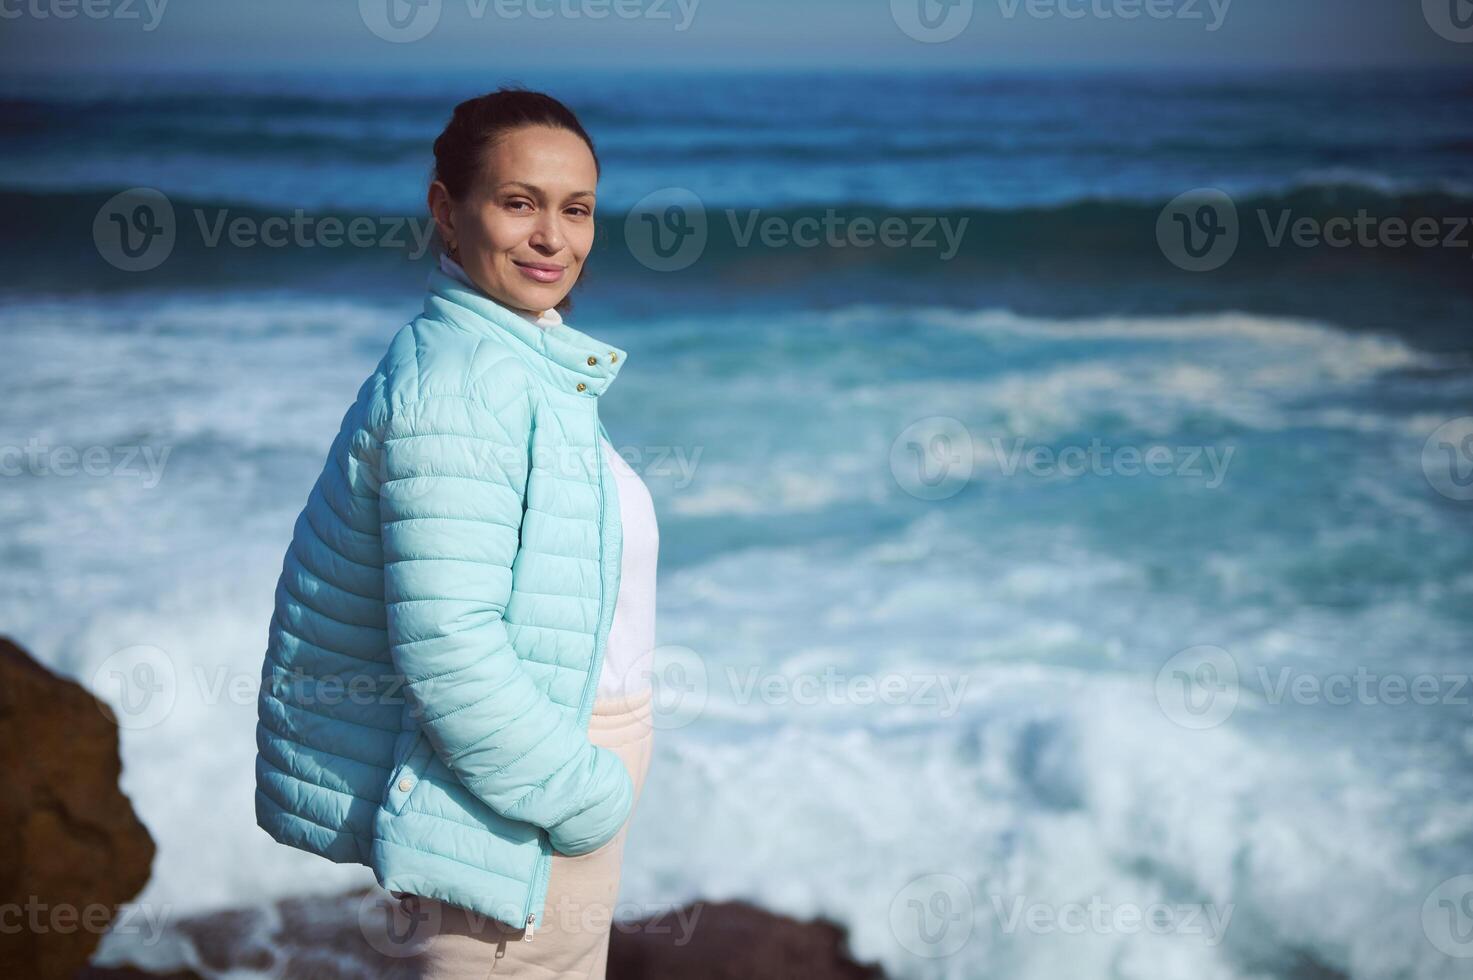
(456, 688)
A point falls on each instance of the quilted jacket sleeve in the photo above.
(451, 498)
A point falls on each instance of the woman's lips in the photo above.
(539, 271)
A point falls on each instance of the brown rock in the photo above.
(731, 941)
(131, 973)
(319, 937)
(73, 848)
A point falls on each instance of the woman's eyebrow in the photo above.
(537, 191)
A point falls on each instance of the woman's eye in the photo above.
(518, 205)
(579, 212)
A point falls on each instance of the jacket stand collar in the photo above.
(572, 358)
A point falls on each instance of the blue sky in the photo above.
(546, 35)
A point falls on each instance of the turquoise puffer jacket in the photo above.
(442, 614)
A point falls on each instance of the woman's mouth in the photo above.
(540, 271)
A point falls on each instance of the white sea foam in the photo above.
(1046, 773)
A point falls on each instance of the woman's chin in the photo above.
(528, 296)
(539, 298)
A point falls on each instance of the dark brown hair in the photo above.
(477, 124)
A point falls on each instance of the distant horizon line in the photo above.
(1133, 68)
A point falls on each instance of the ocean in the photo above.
(1029, 604)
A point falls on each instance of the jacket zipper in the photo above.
(542, 870)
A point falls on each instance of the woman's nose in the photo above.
(547, 236)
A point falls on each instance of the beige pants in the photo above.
(571, 935)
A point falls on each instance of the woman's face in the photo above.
(525, 227)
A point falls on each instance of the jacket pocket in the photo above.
(405, 779)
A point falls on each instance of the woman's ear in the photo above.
(442, 210)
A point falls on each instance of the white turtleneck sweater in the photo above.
(628, 657)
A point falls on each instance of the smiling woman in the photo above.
(475, 543)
